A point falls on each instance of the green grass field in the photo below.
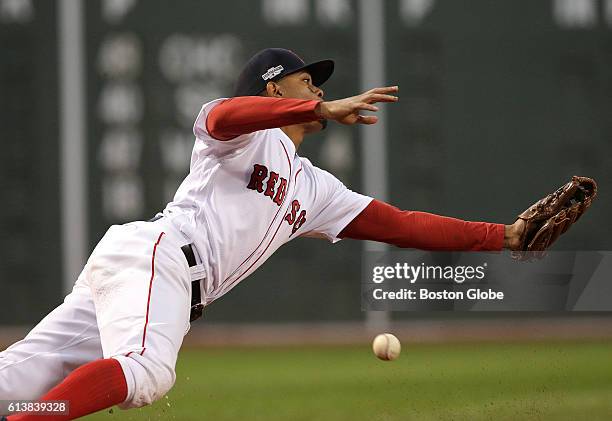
(540, 381)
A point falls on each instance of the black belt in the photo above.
(196, 295)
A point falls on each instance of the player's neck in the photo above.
(296, 133)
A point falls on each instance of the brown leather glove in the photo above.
(551, 216)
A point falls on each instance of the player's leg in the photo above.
(90, 388)
(142, 301)
(92, 382)
(65, 339)
(140, 285)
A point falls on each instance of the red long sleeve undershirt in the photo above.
(382, 222)
(247, 114)
(379, 221)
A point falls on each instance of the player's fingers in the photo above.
(366, 107)
(382, 98)
(367, 119)
(385, 90)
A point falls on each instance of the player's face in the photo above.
(299, 85)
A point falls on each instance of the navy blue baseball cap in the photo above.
(273, 64)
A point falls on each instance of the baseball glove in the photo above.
(551, 216)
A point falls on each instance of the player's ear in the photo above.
(274, 90)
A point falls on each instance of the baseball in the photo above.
(386, 347)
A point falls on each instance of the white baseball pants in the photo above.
(131, 303)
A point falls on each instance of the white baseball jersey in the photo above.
(244, 198)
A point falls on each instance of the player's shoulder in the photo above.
(310, 168)
(306, 162)
(199, 126)
(318, 173)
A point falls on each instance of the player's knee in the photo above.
(6, 391)
(149, 379)
(17, 383)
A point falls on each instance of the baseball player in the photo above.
(115, 338)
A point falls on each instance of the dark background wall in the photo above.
(500, 102)
(30, 260)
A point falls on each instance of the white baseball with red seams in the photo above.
(386, 347)
(242, 200)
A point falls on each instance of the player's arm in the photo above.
(382, 222)
(247, 114)
(241, 115)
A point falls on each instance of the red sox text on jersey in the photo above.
(276, 193)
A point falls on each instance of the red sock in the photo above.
(90, 388)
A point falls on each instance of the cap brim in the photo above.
(320, 71)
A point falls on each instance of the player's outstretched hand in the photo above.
(347, 110)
